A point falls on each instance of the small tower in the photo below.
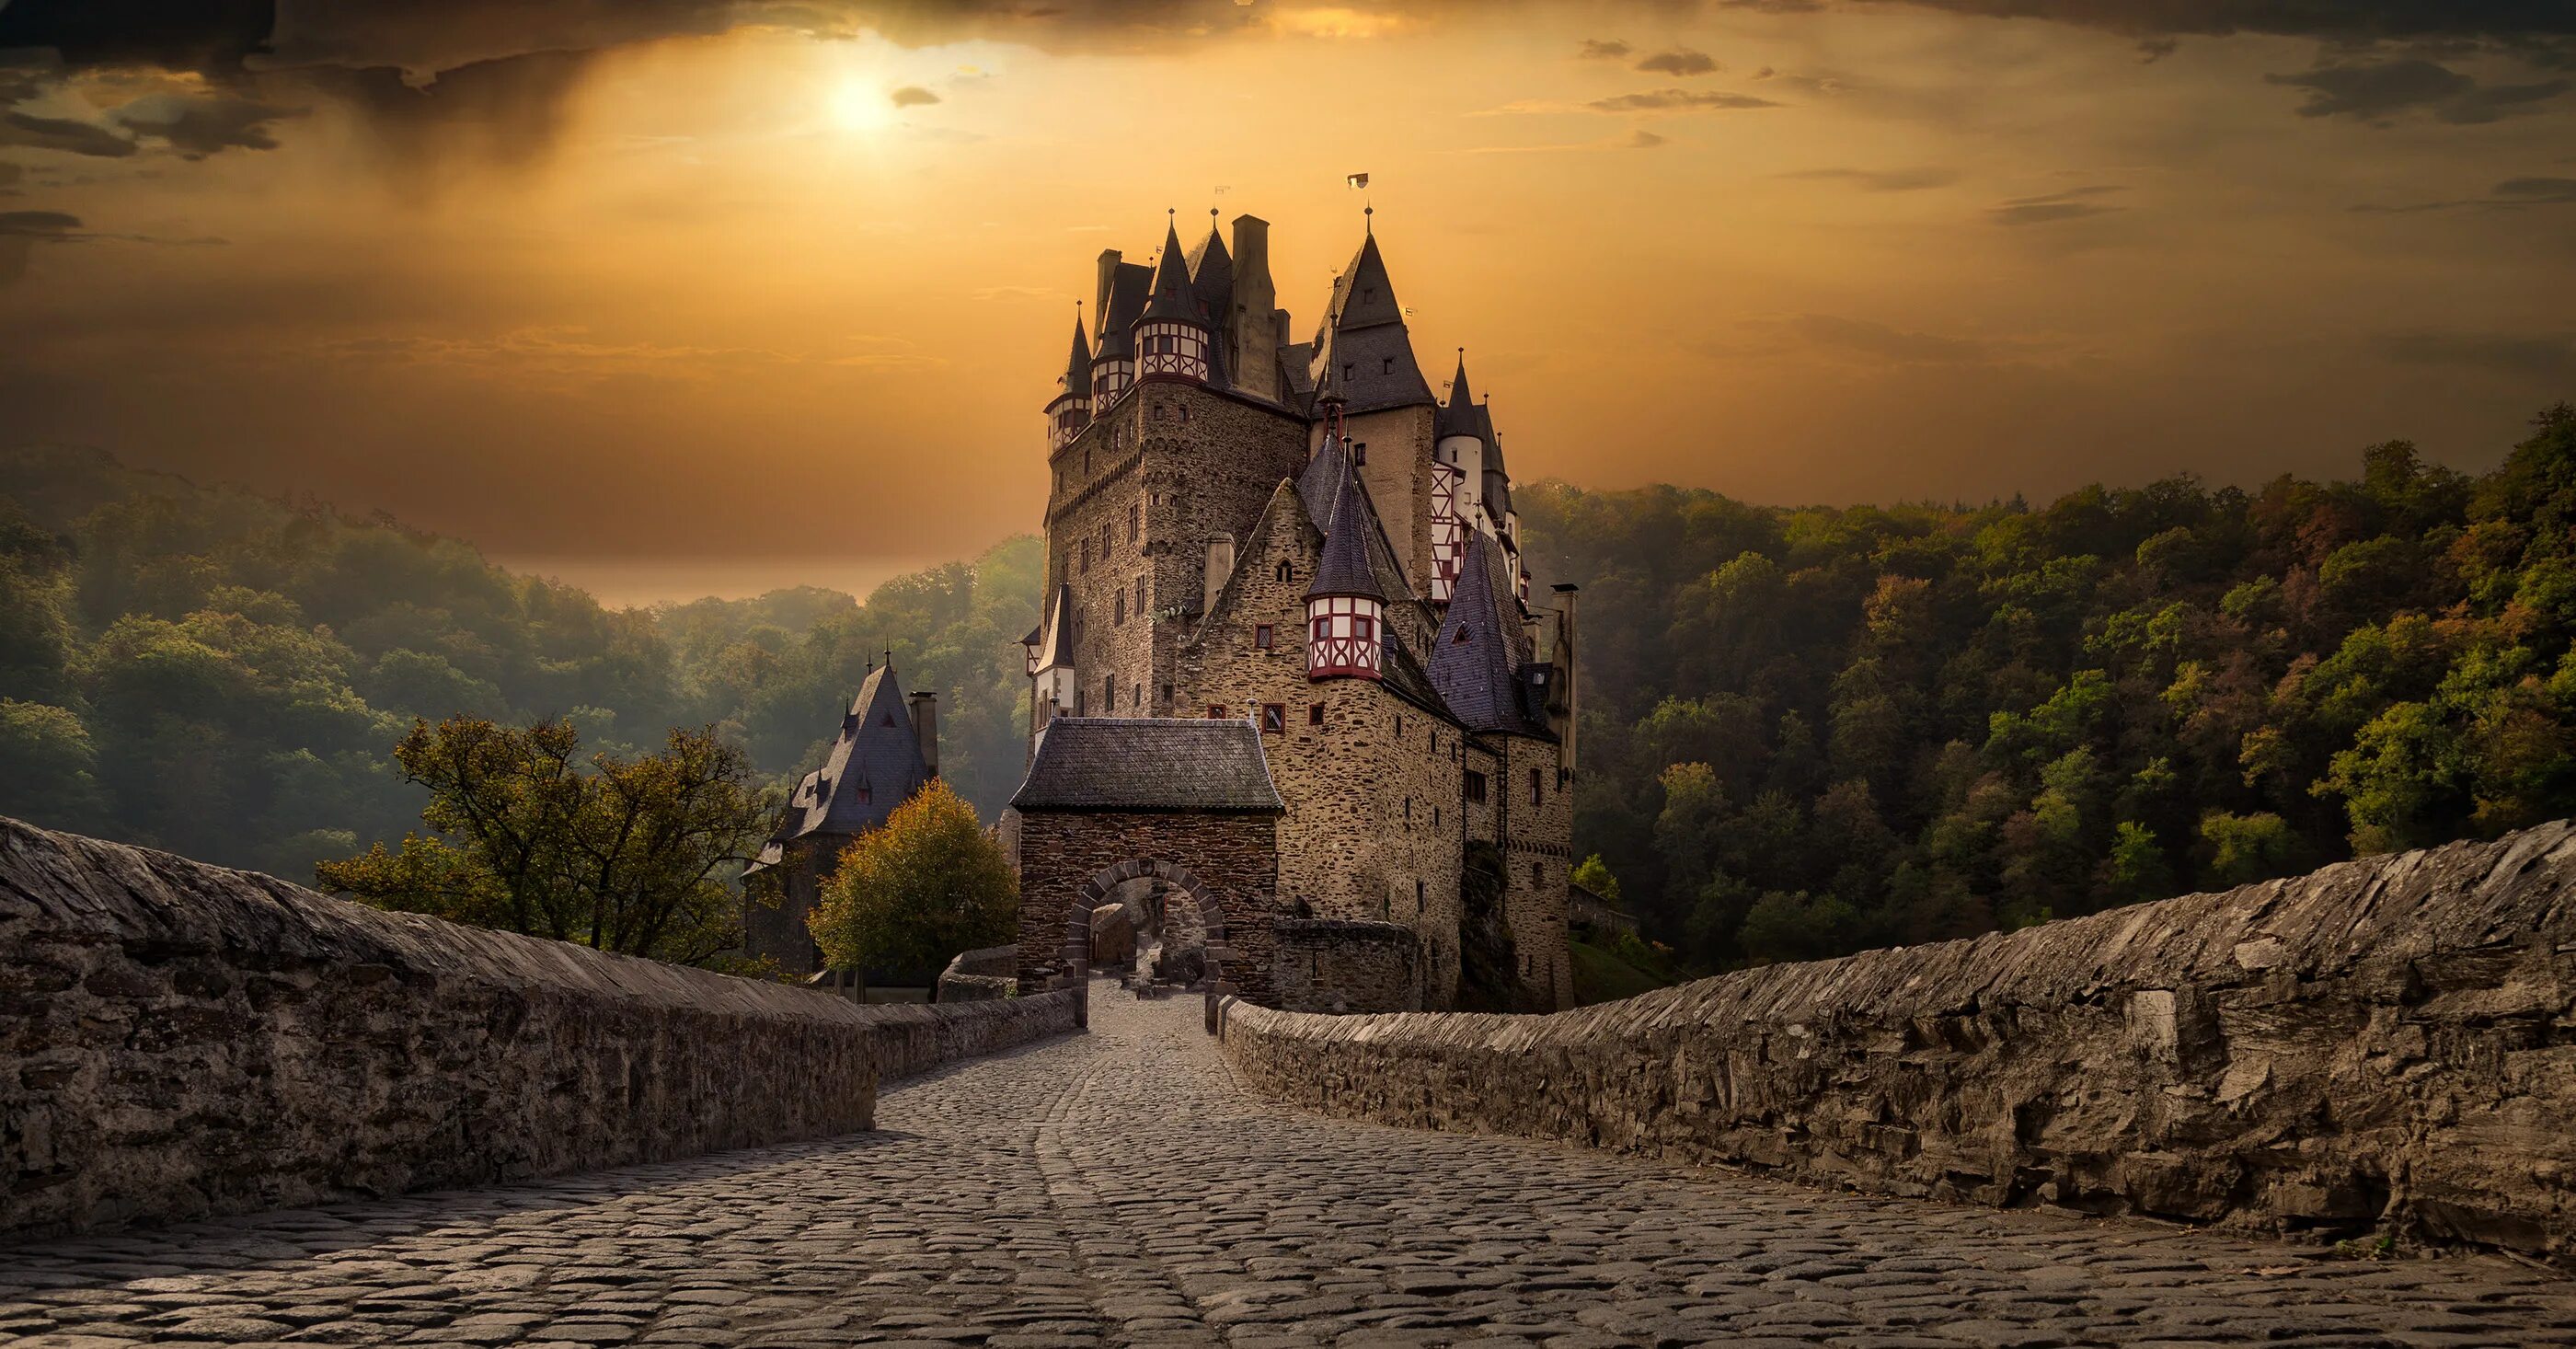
(1070, 411)
(1345, 607)
(1172, 335)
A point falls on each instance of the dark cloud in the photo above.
(2378, 92)
(913, 96)
(21, 231)
(2510, 194)
(1676, 100)
(198, 127)
(2349, 21)
(1883, 180)
(62, 133)
(1642, 139)
(2519, 354)
(2073, 204)
(1603, 49)
(2538, 191)
(1679, 61)
(1775, 6)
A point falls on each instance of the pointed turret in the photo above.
(1477, 657)
(1070, 410)
(1346, 605)
(1172, 334)
(1123, 288)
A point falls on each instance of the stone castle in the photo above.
(1298, 539)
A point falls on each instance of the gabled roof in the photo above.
(1173, 299)
(1476, 657)
(1346, 568)
(874, 765)
(1149, 764)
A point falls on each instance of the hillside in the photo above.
(223, 674)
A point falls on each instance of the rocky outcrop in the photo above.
(2386, 1043)
(179, 1040)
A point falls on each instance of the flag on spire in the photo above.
(1356, 180)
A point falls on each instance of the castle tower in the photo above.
(1070, 410)
(1171, 337)
(1113, 352)
(1345, 606)
(1457, 481)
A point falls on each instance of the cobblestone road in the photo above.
(1117, 1188)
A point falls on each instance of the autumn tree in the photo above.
(620, 853)
(917, 890)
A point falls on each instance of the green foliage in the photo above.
(1594, 875)
(1811, 730)
(627, 854)
(911, 894)
(222, 673)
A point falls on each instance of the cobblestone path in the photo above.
(1117, 1188)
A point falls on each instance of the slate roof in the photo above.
(1132, 283)
(1346, 568)
(1149, 764)
(1477, 656)
(876, 755)
(1077, 369)
(1361, 352)
(1173, 298)
(1462, 415)
(1057, 627)
(1212, 274)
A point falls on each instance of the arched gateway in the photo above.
(1187, 803)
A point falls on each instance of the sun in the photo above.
(859, 105)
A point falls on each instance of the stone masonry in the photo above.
(1119, 1188)
(1328, 965)
(2388, 1043)
(1231, 859)
(184, 1040)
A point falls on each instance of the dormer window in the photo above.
(863, 794)
(1389, 367)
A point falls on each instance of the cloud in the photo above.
(2378, 92)
(1775, 6)
(198, 127)
(1603, 49)
(1897, 345)
(2510, 194)
(2072, 204)
(2518, 354)
(913, 96)
(21, 231)
(2538, 191)
(64, 134)
(1883, 180)
(1637, 139)
(1679, 61)
(2345, 21)
(1642, 139)
(1677, 100)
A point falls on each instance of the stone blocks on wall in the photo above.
(2389, 1043)
(184, 1040)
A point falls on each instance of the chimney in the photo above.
(1566, 689)
(1254, 299)
(1100, 305)
(1220, 564)
(925, 728)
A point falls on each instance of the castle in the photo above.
(1299, 541)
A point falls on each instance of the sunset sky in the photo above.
(680, 296)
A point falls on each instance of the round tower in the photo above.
(1345, 607)
(1172, 335)
(1070, 410)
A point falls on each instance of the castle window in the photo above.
(1086, 553)
(1408, 810)
(1281, 572)
(1359, 452)
(1119, 613)
(1537, 787)
(1261, 636)
(1109, 694)
(1136, 696)
(1462, 638)
(1538, 874)
(1167, 695)
(1389, 367)
(1475, 787)
(1399, 726)
(1350, 370)
(1274, 718)
(1086, 460)
(1135, 521)
(1435, 817)
(1216, 711)
(1077, 702)
(1314, 714)
(1420, 893)
(1140, 597)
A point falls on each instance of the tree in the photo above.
(626, 854)
(917, 890)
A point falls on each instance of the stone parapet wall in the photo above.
(2387, 1043)
(182, 1040)
(1336, 966)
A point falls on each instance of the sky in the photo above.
(672, 297)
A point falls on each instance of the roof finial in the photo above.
(1368, 220)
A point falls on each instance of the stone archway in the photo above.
(1076, 952)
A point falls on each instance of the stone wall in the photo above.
(1233, 856)
(1326, 965)
(980, 975)
(2389, 1042)
(183, 1040)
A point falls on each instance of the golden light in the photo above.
(859, 105)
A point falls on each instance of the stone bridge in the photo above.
(1142, 1183)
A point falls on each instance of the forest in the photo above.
(1805, 730)
(1810, 731)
